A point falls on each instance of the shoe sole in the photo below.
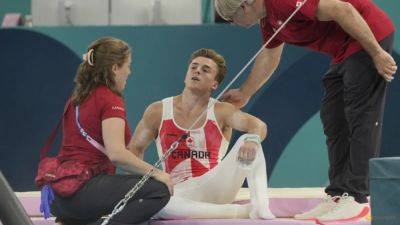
(362, 214)
(306, 219)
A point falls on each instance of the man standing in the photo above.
(359, 37)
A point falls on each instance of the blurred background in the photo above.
(41, 43)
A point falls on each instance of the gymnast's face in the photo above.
(122, 73)
(201, 74)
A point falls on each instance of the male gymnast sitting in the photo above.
(205, 185)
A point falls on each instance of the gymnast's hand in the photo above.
(247, 152)
(235, 97)
(166, 179)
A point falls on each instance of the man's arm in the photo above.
(354, 24)
(146, 130)
(265, 64)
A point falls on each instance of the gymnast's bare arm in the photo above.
(146, 130)
(228, 116)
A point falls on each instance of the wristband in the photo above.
(253, 137)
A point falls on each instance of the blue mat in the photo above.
(385, 190)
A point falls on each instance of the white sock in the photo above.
(257, 180)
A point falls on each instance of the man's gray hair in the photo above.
(227, 8)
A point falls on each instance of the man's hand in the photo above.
(385, 65)
(235, 97)
(166, 179)
(247, 152)
(353, 23)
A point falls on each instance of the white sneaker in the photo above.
(346, 209)
(327, 204)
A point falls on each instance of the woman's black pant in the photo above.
(99, 196)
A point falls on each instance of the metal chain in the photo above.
(121, 204)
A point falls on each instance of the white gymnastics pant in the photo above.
(211, 195)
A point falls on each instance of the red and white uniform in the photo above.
(205, 185)
(200, 152)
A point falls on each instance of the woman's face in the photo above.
(122, 73)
